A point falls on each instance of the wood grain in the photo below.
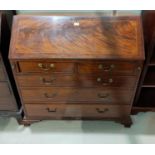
(109, 67)
(75, 95)
(59, 111)
(99, 80)
(88, 52)
(77, 37)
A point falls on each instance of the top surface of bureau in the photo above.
(77, 37)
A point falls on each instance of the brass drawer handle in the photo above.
(106, 68)
(102, 111)
(100, 95)
(105, 83)
(50, 96)
(51, 110)
(48, 82)
(45, 67)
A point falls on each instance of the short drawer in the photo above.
(6, 99)
(7, 104)
(69, 95)
(82, 111)
(107, 67)
(45, 66)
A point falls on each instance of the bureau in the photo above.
(77, 66)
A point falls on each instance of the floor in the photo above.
(142, 131)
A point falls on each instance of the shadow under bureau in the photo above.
(76, 66)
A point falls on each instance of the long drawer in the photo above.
(70, 95)
(59, 111)
(126, 82)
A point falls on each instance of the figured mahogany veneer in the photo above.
(75, 37)
(77, 66)
(69, 95)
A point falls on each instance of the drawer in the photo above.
(123, 82)
(107, 67)
(81, 111)
(47, 80)
(45, 66)
(69, 95)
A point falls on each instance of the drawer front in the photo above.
(123, 82)
(47, 80)
(69, 95)
(2, 74)
(120, 68)
(126, 82)
(4, 89)
(41, 66)
(81, 111)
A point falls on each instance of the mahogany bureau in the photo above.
(77, 66)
